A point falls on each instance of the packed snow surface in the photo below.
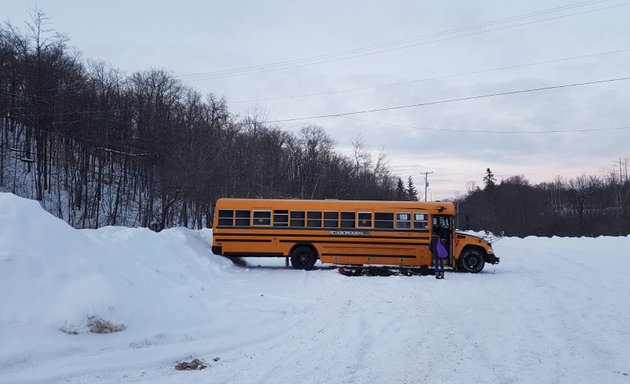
(554, 311)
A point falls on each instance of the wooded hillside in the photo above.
(99, 147)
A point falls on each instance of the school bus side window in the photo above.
(331, 219)
(421, 221)
(242, 218)
(314, 219)
(403, 220)
(280, 218)
(262, 218)
(384, 220)
(297, 219)
(348, 219)
(226, 217)
(365, 220)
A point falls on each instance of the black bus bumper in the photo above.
(492, 259)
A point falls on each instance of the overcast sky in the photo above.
(295, 59)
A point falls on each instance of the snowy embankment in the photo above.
(554, 310)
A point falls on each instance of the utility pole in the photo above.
(426, 183)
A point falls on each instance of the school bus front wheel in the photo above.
(472, 260)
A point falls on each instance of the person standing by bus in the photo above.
(439, 255)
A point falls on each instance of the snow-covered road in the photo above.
(554, 311)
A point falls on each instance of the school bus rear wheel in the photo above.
(303, 257)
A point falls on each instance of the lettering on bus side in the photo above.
(349, 233)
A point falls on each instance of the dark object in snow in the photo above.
(216, 359)
(193, 365)
(238, 261)
(155, 227)
(384, 271)
(98, 325)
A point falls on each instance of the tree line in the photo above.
(99, 147)
(588, 205)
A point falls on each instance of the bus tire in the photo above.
(472, 261)
(303, 258)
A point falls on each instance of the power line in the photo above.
(547, 131)
(275, 65)
(397, 44)
(496, 69)
(423, 104)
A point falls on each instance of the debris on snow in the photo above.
(94, 325)
(193, 365)
(98, 325)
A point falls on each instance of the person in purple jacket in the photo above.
(439, 255)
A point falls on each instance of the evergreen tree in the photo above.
(401, 192)
(489, 179)
(412, 193)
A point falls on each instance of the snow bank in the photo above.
(54, 277)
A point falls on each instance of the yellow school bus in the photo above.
(347, 232)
